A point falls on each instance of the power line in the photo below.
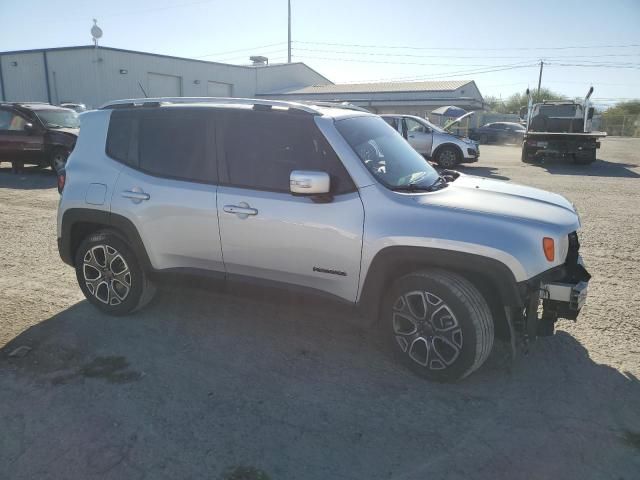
(466, 48)
(377, 54)
(240, 50)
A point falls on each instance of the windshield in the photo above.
(386, 154)
(58, 118)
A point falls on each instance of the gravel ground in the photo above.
(206, 385)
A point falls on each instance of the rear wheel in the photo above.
(58, 160)
(110, 275)
(439, 324)
(528, 156)
(448, 157)
(585, 157)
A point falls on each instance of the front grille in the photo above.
(574, 249)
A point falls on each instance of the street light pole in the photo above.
(289, 40)
(540, 79)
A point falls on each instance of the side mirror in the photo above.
(29, 128)
(309, 182)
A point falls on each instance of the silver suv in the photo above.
(319, 199)
(436, 143)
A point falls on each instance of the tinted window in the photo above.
(164, 143)
(122, 137)
(261, 150)
(496, 126)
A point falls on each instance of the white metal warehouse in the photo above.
(94, 76)
(412, 98)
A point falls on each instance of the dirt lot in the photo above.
(206, 385)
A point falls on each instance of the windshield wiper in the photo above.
(54, 125)
(416, 187)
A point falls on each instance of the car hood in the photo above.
(504, 199)
(72, 131)
(451, 123)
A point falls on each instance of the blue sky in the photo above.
(400, 39)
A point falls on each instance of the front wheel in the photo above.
(110, 275)
(447, 157)
(439, 324)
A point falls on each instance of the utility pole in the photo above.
(540, 79)
(289, 41)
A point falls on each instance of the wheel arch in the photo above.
(492, 277)
(77, 223)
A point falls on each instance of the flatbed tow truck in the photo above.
(560, 129)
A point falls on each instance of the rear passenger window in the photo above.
(171, 144)
(175, 146)
(262, 149)
(122, 137)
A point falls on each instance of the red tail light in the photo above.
(62, 178)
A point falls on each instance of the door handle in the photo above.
(136, 195)
(240, 210)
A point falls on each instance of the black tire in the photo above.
(585, 158)
(456, 335)
(58, 159)
(448, 157)
(527, 155)
(99, 263)
(483, 139)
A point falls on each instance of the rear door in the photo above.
(168, 185)
(277, 236)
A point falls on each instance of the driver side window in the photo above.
(414, 126)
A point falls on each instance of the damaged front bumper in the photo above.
(565, 297)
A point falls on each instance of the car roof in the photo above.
(35, 106)
(324, 109)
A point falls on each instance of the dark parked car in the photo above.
(498, 132)
(37, 133)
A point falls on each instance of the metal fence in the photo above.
(619, 125)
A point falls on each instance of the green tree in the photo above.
(513, 103)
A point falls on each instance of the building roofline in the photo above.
(113, 49)
(350, 92)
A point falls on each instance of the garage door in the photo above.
(218, 89)
(161, 85)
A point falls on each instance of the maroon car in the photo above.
(37, 134)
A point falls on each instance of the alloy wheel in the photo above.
(447, 158)
(106, 274)
(427, 330)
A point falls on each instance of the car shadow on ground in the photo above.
(599, 168)
(203, 383)
(30, 178)
(482, 171)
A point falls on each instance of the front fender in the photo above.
(392, 262)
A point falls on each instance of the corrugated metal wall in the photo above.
(23, 77)
(93, 77)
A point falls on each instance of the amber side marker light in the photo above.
(549, 248)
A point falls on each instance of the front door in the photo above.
(17, 142)
(168, 186)
(271, 234)
(420, 136)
